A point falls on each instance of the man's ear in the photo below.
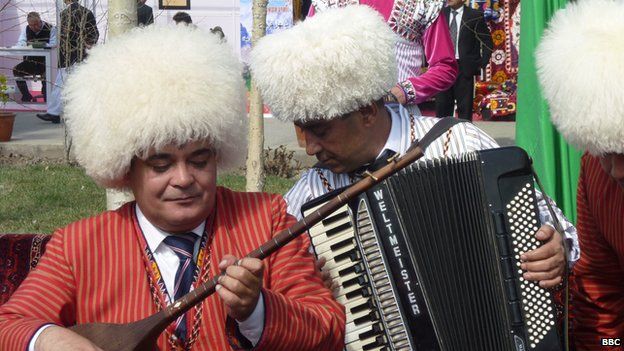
(369, 113)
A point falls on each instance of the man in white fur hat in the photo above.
(337, 101)
(581, 69)
(166, 144)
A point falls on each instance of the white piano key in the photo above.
(358, 345)
(355, 334)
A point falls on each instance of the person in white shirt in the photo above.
(336, 100)
(37, 31)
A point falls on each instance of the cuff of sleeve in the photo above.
(409, 91)
(571, 244)
(33, 340)
(247, 335)
(252, 327)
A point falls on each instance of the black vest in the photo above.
(42, 36)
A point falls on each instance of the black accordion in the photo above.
(429, 259)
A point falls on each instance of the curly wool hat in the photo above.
(149, 88)
(327, 66)
(580, 65)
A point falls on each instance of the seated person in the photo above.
(166, 145)
(37, 31)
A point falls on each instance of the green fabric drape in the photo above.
(556, 163)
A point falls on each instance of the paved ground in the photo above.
(38, 139)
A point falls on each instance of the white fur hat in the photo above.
(581, 70)
(149, 88)
(329, 65)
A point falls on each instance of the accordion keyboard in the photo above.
(372, 317)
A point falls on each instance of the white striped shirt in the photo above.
(465, 137)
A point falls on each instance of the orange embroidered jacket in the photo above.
(94, 270)
(598, 299)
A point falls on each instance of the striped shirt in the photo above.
(95, 270)
(464, 137)
(598, 299)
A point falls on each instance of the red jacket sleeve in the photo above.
(46, 296)
(300, 313)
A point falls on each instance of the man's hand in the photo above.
(327, 279)
(239, 288)
(545, 264)
(59, 338)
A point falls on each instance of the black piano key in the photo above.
(352, 269)
(363, 292)
(377, 328)
(379, 341)
(361, 280)
(334, 218)
(338, 229)
(369, 305)
(353, 255)
(342, 244)
(373, 316)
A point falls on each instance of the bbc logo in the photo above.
(610, 341)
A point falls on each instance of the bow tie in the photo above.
(378, 163)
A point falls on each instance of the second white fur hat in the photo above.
(327, 66)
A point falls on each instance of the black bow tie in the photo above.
(379, 162)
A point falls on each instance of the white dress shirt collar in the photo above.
(393, 142)
(155, 236)
(460, 12)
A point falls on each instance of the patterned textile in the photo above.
(19, 253)
(489, 8)
(495, 101)
(322, 5)
(410, 18)
(503, 18)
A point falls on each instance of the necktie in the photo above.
(183, 245)
(453, 29)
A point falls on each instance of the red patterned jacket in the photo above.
(94, 270)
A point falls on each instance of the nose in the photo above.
(617, 167)
(312, 144)
(182, 176)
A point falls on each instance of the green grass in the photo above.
(41, 198)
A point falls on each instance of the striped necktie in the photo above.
(453, 29)
(183, 245)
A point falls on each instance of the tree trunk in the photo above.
(122, 16)
(255, 161)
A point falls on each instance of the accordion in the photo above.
(429, 259)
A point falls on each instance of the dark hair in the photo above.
(182, 17)
(218, 31)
